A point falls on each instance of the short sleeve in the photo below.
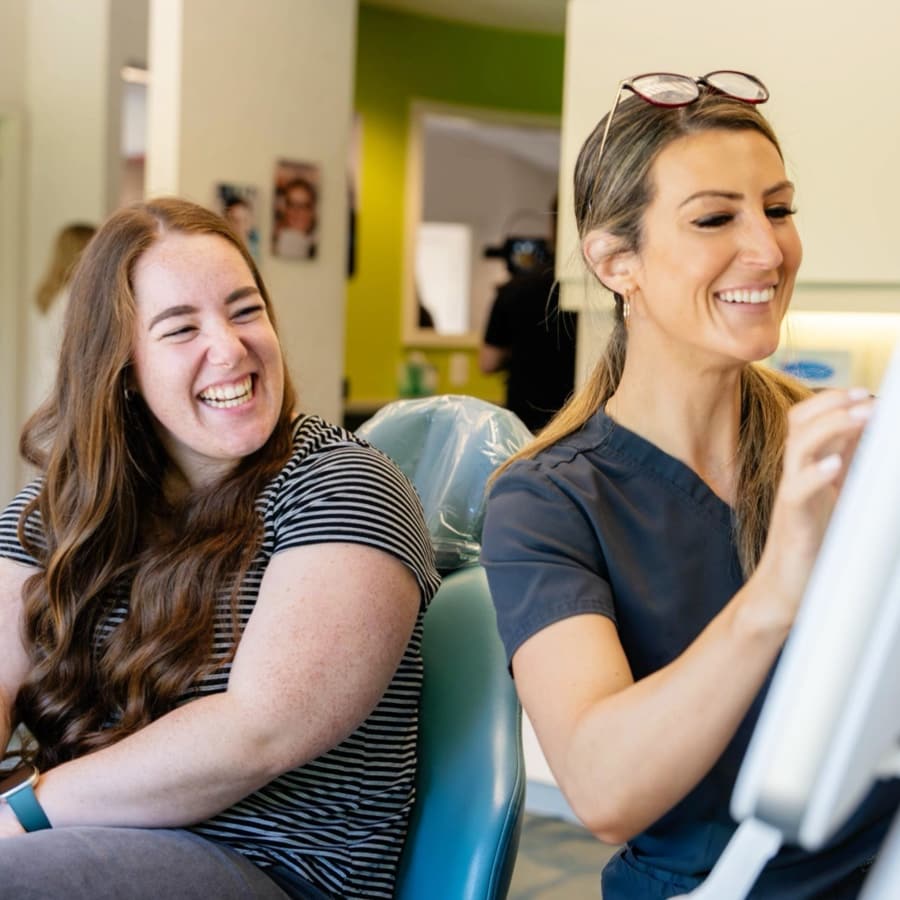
(10, 548)
(541, 554)
(350, 492)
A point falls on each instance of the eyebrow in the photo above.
(185, 309)
(733, 195)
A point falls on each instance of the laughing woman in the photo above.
(647, 553)
(210, 607)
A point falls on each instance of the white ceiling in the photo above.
(547, 16)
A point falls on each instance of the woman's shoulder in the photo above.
(582, 453)
(328, 456)
(314, 435)
(319, 443)
(337, 487)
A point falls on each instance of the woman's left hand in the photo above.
(823, 433)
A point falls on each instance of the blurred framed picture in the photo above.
(295, 213)
(236, 203)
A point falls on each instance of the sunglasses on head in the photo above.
(669, 90)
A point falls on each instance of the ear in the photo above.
(614, 266)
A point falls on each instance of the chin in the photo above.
(240, 448)
(766, 351)
(248, 448)
(761, 348)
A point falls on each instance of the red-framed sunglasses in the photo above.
(670, 90)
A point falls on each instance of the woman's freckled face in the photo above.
(207, 361)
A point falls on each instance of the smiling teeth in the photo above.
(228, 395)
(763, 296)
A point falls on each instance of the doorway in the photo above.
(475, 178)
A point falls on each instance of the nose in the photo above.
(225, 349)
(761, 248)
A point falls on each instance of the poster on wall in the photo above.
(237, 204)
(295, 210)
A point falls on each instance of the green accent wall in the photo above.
(401, 58)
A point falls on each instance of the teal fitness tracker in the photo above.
(17, 789)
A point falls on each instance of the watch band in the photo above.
(24, 804)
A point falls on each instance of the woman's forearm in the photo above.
(637, 752)
(183, 768)
(306, 673)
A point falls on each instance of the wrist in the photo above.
(10, 826)
(18, 798)
(762, 612)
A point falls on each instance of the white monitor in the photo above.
(829, 726)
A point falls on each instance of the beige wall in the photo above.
(74, 99)
(236, 86)
(12, 103)
(66, 93)
(12, 52)
(59, 66)
(11, 164)
(71, 120)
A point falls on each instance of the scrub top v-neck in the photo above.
(605, 522)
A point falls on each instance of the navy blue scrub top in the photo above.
(605, 522)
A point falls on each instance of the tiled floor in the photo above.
(557, 861)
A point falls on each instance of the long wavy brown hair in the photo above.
(109, 530)
(612, 193)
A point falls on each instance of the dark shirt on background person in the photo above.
(529, 336)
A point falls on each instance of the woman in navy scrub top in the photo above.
(648, 551)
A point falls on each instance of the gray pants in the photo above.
(130, 864)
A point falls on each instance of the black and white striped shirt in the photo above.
(340, 820)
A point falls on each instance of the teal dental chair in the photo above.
(470, 785)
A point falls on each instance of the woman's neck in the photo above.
(689, 413)
(175, 485)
